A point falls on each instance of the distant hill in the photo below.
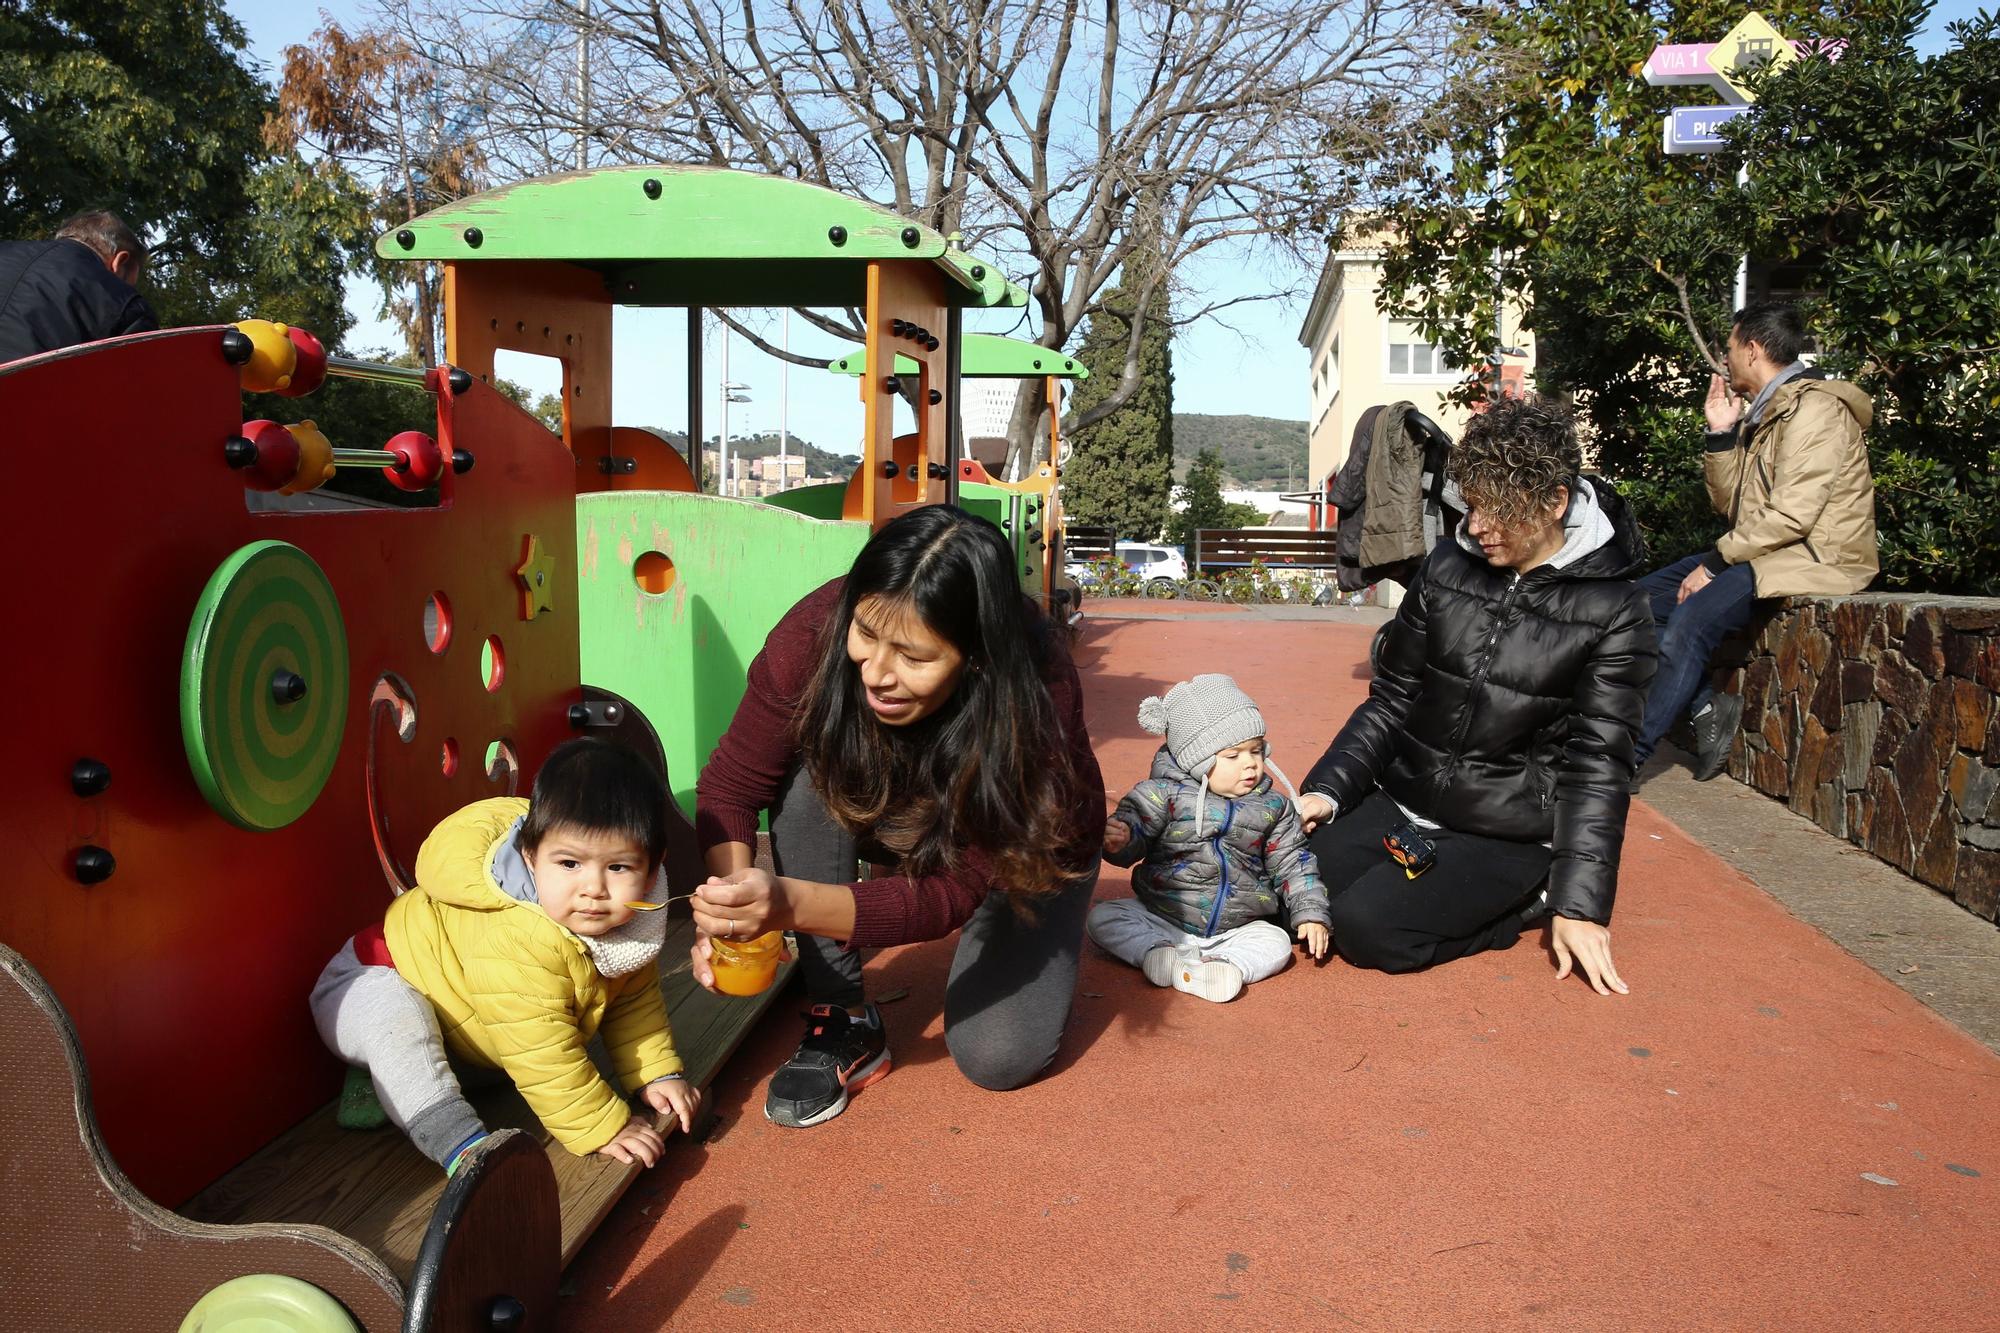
(819, 462)
(1258, 453)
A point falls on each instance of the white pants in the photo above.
(1124, 928)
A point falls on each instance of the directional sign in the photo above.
(1697, 129)
(1751, 44)
(1670, 65)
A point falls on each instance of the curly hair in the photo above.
(1515, 456)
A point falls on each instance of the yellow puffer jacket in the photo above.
(1797, 492)
(515, 991)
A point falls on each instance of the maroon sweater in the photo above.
(756, 755)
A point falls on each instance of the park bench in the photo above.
(1276, 548)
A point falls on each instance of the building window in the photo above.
(1411, 357)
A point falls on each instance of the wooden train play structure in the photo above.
(244, 707)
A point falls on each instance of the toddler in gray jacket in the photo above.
(1223, 856)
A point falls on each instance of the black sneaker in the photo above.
(1715, 734)
(841, 1055)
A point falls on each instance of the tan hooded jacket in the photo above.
(1798, 493)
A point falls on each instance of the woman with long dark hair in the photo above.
(921, 714)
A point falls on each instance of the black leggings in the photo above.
(1466, 903)
(1012, 981)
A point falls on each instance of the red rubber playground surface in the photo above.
(1764, 1134)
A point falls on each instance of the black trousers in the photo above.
(1008, 997)
(1466, 903)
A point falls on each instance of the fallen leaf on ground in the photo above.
(1905, 971)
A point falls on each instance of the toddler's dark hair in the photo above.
(596, 786)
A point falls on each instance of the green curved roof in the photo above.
(679, 235)
(987, 356)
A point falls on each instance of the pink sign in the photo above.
(1680, 64)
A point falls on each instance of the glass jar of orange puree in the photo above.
(747, 968)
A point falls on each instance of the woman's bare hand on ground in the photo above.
(1587, 945)
(1315, 937)
(637, 1144)
(1314, 810)
(1117, 836)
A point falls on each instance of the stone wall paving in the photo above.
(1878, 718)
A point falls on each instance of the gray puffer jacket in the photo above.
(1247, 863)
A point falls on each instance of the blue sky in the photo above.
(1253, 364)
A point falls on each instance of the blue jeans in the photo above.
(1690, 632)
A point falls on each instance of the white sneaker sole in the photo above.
(1213, 980)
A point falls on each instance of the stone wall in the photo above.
(1875, 717)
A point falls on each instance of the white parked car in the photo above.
(1153, 563)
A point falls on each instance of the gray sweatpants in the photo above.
(371, 1017)
(1124, 928)
(1008, 996)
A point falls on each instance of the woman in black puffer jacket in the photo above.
(1501, 720)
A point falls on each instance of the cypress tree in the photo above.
(1121, 470)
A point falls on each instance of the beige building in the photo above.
(1362, 358)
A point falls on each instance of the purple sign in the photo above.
(1697, 129)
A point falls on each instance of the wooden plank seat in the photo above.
(374, 1187)
(1278, 548)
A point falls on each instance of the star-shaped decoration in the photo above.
(537, 575)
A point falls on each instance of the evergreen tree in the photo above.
(1202, 505)
(1122, 468)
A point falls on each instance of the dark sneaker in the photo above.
(1533, 909)
(841, 1055)
(1715, 734)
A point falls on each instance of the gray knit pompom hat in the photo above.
(1200, 717)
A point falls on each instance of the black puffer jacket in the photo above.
(1507, 705)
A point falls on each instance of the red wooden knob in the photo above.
(277, 460)
(421, 462)
(310, 369)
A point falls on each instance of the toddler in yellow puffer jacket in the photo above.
(517, 946)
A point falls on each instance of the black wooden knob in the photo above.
(408, 239)
(937, 396)
(474, 237)
(937, 471)
(910, 237)
(889, 470)
(652, 188)
(88, 777)
(239, 452)
(460, 380)
(94, 865)
(507, 1315)
(892, 385)
(236, 346)
(838, 235)
(461, 461)
(287, 687)
(979, 272)
(898, 327)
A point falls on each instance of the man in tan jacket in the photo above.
(1790, 473)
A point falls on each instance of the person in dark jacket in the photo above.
(77, 288)
(1499, 731)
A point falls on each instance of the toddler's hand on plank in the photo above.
(636, 1144)
(677, 1097)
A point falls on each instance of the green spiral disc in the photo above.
(264, 686)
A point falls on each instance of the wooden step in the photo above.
(374, 1187)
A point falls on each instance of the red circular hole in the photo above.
(437, 622)
(448, 757)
